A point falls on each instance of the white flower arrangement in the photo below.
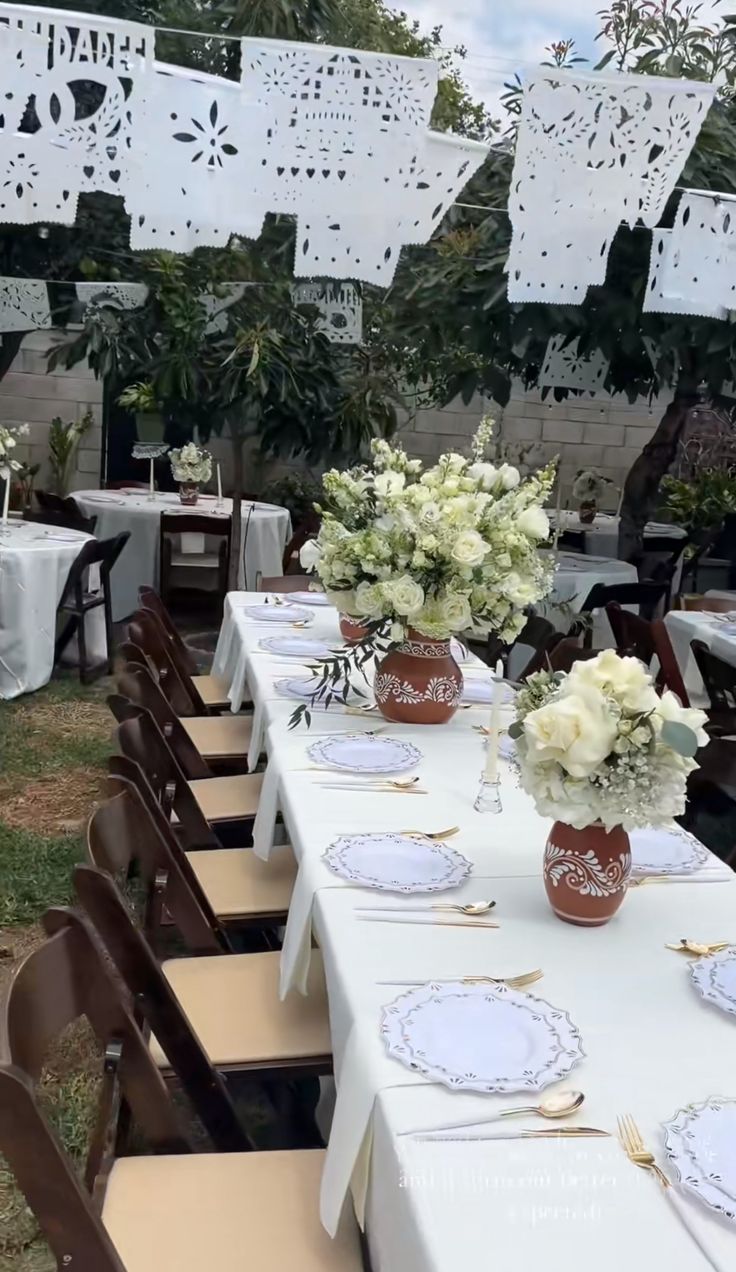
(191, 465)
(8, 442)
(589, 485)
(450, 549)
(600, 745)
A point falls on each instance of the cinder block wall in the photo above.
(602, 431)
(30, 395)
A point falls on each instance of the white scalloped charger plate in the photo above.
(701, 1144)
(482, 691)
(481, 1037)
(397, 863)
(278, 613)
(302, 689)
(666, 850)
(309, 598)
(364, 753)
(303, 648)
(714, 977)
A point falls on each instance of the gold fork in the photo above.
(635, 1149)
(696, 947)
(513, 982)
(433, 834)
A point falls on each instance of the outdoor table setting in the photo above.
(268, 529)
(429, 1051)
(34, 565)
(716, 630)
(601, 534)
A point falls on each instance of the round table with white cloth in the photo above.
(268, 529)
(601, 535)
(34, 565)
(717, 631)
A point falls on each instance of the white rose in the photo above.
(431, 513)
(310, 555)
(668, 708)
(389, 483)
(576, 731)
(484, 473)
(455, 611)
(469, 548)
(625, 679)
(509, 477)
(9, 442)
(406, 595)
(534, 523)
(369, 601)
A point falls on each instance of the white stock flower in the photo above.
(576, 731)
(407, 596)
(389, 483)
(484, 473)
(310, 555)
(534, 523)
(469, 548)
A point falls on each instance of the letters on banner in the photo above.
(338, 138)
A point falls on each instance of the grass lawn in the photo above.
(53, 750)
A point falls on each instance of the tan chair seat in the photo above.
(213, 690)
(232, 1002)
(219, 737)
(224, 1212)
(228, 798)
(210, 560)
(236, 881)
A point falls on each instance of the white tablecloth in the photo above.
(117, 510)
(714, 630)
(601, 536)
(34, 565)
(651, 1045)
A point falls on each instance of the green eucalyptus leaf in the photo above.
(680, 737)
(516, 729)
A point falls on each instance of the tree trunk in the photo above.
(11, 343)
(642, 484)
(236, 549)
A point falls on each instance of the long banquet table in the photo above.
(651, 1044)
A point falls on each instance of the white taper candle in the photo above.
(6, 498)
(151, 482)
(491, 769)
(219, 484)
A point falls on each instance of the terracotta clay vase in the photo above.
(586, 872)
(352, 630)
(188, 493)
(418, 682)
(587, 512)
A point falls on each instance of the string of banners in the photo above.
(25, 304)
(337, 138)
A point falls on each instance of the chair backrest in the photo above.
(111, 549)
(86, 525)
(566, 652)
(141, 973)
(148, 598)
(719, 677)
(89, 554)
(126, 485)
(540, 659)
(142, 690)
(144, 630)
(122, 769)
(132, 655)
(307, 530)
(632, 634)
(285, 583)
(48, 501)
(60, 981)
(646, 595)
(142, 741)
(123, 831)
(572, 541)
(671, 675)
(174, 524)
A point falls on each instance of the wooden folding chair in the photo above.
(231, 886)
(219, 799)
(204, 561)
(175, 1208)
(285, 583)
(207, 693)
(217, 740)
(229, 1003)
(78, 600)
(671, 674)
(149, 599)
(647, 596)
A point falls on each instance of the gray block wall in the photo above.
(30, 395)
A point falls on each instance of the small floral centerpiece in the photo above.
(588, 488)
(8, 465)
(190, 467)
(417, 555)
(601, 752)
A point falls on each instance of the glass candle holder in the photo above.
(488, 799)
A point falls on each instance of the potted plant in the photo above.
(588, 488)
(64, 438)
(603, 754)
(21, 493)
(190, 466)
(417, 556)
(141, 399)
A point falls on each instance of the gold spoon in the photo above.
(695, 947)
(433, 834)
(473, 907)
(556, 1104)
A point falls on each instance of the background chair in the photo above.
(709, 604)
(647, 596)
(195, 553)
(307, 530)
(86, 525)
(206, 693)
(216, 740)
(80, 596)
(284, 583)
